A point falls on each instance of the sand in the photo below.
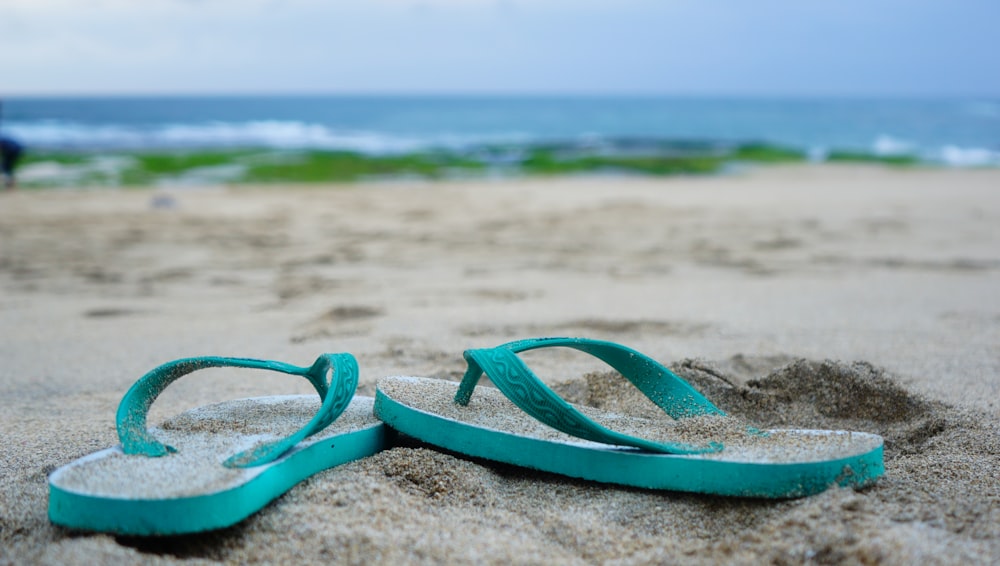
(708, 437)
(854, 298)
(203, 439)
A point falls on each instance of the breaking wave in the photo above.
(271, 134)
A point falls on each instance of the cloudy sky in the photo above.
(713, 47)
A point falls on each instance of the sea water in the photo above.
(951, 132)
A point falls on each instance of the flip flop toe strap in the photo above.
(334, 376)
(519, 384)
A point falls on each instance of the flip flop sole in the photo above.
(858, 464)
(126, 502)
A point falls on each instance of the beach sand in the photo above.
(859, 298)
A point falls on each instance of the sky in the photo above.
(858, 48)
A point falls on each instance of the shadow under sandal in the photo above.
(213, 466)
(695, 447)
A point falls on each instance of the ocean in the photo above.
(949, 132)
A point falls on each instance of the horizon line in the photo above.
(500, 95)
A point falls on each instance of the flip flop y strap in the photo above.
(519, 384)
(334, 376)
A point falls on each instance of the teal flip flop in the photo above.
(213, 466)
(694, 448)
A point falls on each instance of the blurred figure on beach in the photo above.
(10, 154)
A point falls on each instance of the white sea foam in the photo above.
(53, 134)
(886, 145)
(102, 170)
(955, 156)
(817, 154)
(284, 135)
(950, 155)
(272, 134)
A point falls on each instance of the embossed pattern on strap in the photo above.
(516, 381)
(663, 387)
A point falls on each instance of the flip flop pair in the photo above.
(232, 458)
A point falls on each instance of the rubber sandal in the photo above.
(230, 460)
(699, 449)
